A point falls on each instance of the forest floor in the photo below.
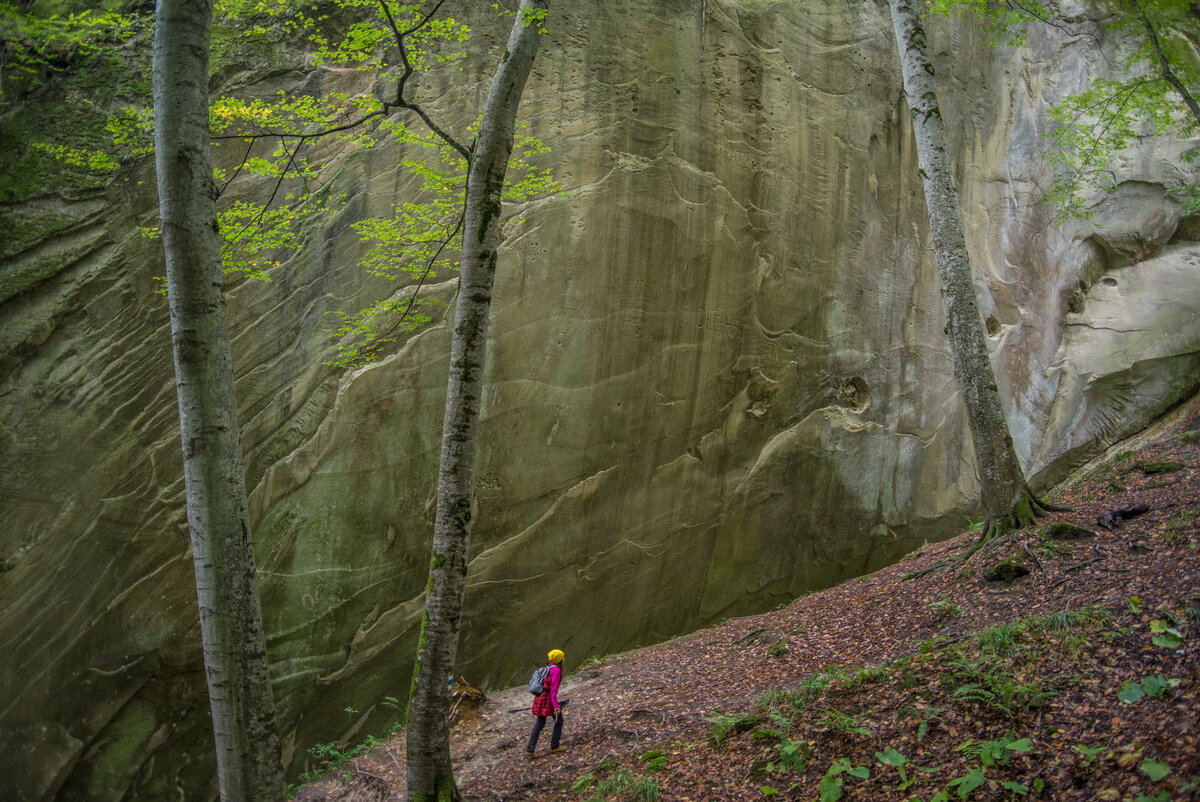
(1078, 680)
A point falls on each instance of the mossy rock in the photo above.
(779, 648)
(1156, 468)
(1006, 571)
(1061, 530)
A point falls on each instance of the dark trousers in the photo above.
(555, 735)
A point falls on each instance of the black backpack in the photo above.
(538, 683)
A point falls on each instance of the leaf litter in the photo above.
(1076, 681)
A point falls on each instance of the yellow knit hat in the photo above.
(556, 656)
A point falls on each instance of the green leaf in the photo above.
(830, 788)
(890, 757)
(861, 772)
(768, 790)
(1167, 640)
(1023, 745)
(968, 783)
(1130, 692)
(1155, 686)
(1155, 769)
(1016, 788)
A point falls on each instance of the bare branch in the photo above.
(400, 101)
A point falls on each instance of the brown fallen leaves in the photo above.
(1078, 681)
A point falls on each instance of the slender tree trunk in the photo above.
(248, 757)
(430, 776)
(1005, 495)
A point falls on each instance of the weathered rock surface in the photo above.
(718, 379)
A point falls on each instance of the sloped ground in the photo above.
(1076, 681)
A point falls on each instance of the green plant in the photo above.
(844, 723)
(1087, 754)
(813, 686)
(1166, 634)
(928, 716)
(998, 752)
(792, 756)
(645, 789)
(1153, 686)
(615, 783)
(946, 606)
(1156, 770)
(830, 786)
(724, 725)
(890, 757)
(583, 783)
(1178, 523)
(866, 676)
(1000, 639)
(967, 783)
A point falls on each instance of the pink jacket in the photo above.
(546, 704)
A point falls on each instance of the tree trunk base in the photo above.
(1025, 512)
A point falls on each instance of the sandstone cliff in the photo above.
(719, 377)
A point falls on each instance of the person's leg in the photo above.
(556, 734)
(537, 731)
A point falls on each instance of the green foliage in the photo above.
(34, 46)
(792, 756)
(1110, 116)
(948, 607)
(831, 785)
(724, 725)
(1167, 634)
(967, 783)
(1003, 23)
(330, 757)
(1154, 686)
(844, 723)
(996, 753)
(1156, 770)
(890, 757)
(645, 789)
(60, 68)
(615, 783)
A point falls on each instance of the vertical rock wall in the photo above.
(718, 379)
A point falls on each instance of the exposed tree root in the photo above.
(1023, 514)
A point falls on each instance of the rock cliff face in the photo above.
(718, 378)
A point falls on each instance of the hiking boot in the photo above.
(529, 754)
(558, 749)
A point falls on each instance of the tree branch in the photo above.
(400, 101)
(1164, 65)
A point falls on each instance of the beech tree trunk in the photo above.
(1005, 495)
(430, 776)
(243, 713)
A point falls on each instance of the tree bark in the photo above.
(243, 713)
(1005, 496)
(430, 775)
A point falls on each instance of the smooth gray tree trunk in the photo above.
(235, 661)
(430, 775)
(1005, 496)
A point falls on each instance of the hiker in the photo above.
(546, 704)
